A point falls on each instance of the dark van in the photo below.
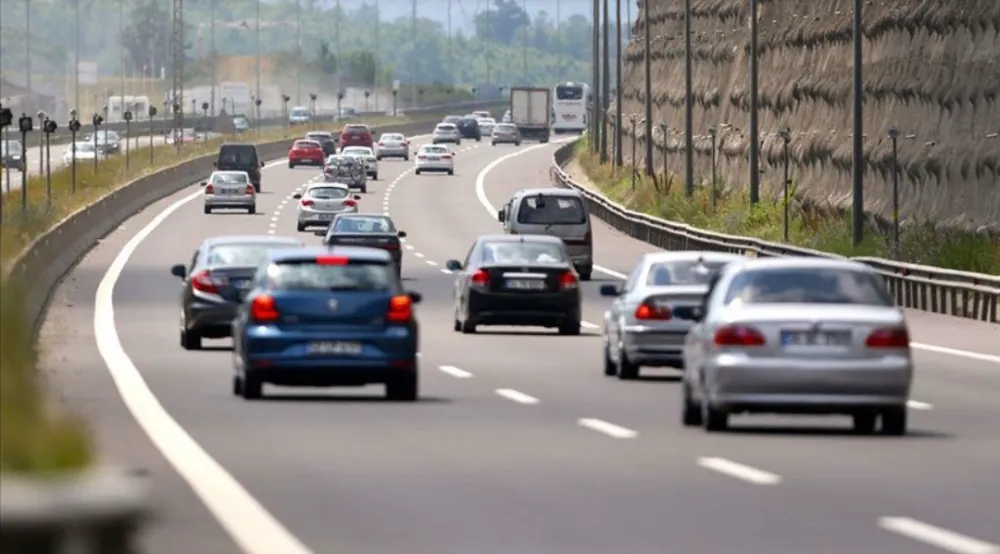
(241, 157)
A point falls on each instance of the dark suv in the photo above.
(241, 157)
(468, 127)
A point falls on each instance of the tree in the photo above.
(326, 61)
(146, 37)
(502, 22)
(360, 66)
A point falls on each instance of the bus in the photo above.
(569, 108)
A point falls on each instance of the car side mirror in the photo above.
(401, 234)
(297, 196)
(453, 153)
(501, 215)
(204, 183)
(178, 271)
(453, 265)
(262, 164)
(357, 197)
(415, 297)
(610, 290)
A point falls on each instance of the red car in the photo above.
(306, 152)
(355, 135)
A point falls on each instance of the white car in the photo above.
(299, 115)
(321, 202)
(486, 125)
(85, 152)
(366, 154)
(433, 157)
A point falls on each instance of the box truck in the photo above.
(531, 111)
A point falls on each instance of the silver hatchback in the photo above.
(322, 202)
(446, 132)
(231, 190)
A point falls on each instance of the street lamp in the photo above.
(894, 137)
(97, 120)
(786, 138)
(177, 132)
(41, 142)
(367, 94)
(74, 128)
(395, 95)
(340, 98)
(48, 127)
(204, 111)
(312, 104)
(257, 102)
(25, 125)
(285, 99)
(6, 118)
(128, 128)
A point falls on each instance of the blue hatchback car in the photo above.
(326, 317)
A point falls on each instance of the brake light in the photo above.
(892, 337)
(568, 281)
(648, 311)
(331, 260)
(446, 157)
(738, 335)
(250, 190)
(350, 202)
(406, 143)
(380, 143)
(307, 202)
(264, 309)
(481, 278)
(209, 189)
(203, 282)
(400, 309)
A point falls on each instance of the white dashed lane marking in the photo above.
(517, 396)
(455, 372)
(610, 429)
(740, 471)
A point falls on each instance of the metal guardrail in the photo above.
(931, 289)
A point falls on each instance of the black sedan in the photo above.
(468, 127)
(370, 230)
(220, 274)
(520, 280)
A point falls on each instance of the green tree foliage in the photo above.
(146, 37)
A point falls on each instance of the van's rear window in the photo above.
(551, 210)
(357, 276)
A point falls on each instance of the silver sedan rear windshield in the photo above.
(328, 193)
(808, 286)
(685, 272)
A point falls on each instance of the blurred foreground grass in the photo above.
(919, 242)
(35, 438)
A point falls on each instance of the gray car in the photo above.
(505, 133)
(553, 211)
(798, 336)
(214, 282)
(649, 317)
(446, 132)
(230, 190)
(392, 145)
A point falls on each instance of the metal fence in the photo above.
(942, 291)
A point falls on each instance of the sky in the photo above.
(462, 11)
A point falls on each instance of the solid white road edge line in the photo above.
(517, 396)
(491, 209)
(455, 372)
(941, 538)
(740, 471)
(250, 525)
(609, 429)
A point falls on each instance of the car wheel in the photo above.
(457, 326)
(571, 328)
(609, 366)
(494, 143)
(252, 210)
(406, 158)
(451, 172)
(478, 139)
(894, 422)
(403, 389)
(208, 210)
(252, 388)
(375, 177)
(468, 326)
(585, 273)
(416, 172)
(300, 227)
(713, 419)
(190, 339)
(691, 412)
(517, 143)
(864, 423)
(364, 190)
(237, 385)
(627, 371)
(291, 165)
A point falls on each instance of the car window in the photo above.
(469, 121)
(364, 225)
(687, 272)
(807, 286)
(551, 210)
(238, 155)
(393, 137)
(312, 276)
(194, 262)
(241, 255)
(523, 252)
(471, 259)
(355, 129)
(358, 151)
(633, 279)
(306, 144)
(229, 178)
(328, 193)
(12, 146)
(299, 112)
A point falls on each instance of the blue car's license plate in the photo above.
(336, 348)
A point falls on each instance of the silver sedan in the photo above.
(392, 145)
(650, 314)
(230, 190)
(798, 336)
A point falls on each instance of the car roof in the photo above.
(323, 185)
(352, 252)
(549, 191)
(319, 134)
(520, 238)
(365, 215)
(230, 172)
(251, 239)
(446, 124)
(804, 262)
(691, 256)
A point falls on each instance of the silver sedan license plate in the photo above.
(525, 284)
(820, 339)
(337, 348)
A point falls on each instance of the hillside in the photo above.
(932, 69)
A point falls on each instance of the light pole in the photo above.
(96, 121)
(41, 142)
(648, 89)
(121, 56)
(715, 176)
(634, 120)
(368, 93)
(74, 128)
(786, 138)
(894, 137)
(215, 56)
(128, 126)
(298, 59)
(663, 133)
(754, 125)
(618, 83)
(152, 114)
(688, 104)
(857, 152)
(25, 125)
(257, 57)
(76, 57)
(595, 126)
(375, 53)
(284, 108)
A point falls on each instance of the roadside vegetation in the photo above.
(35, 437)
(663, 196)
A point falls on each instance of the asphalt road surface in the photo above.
(520, 444)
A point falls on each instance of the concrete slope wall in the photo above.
(931, 68)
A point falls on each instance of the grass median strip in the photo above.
(829, 231)
(34, 438)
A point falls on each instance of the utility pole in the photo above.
(595, 126)
(618, 82)
(647, 60)
(215, 57)
(754, 125)
(413, 50)
(298, 51)
(858, 168)
(375, 57)
(559, 47)
(27, 48)
(489, 30)
(605, 84)
(121, 58)
(257, 45)
(688, 103)
(340, 57)
(524, 52)
(451, 60)
(76, 59)
(177, 75)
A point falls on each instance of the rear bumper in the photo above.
(214, 320)
(654, 347)
(306, 161)
(434, 166)
(444, 140)
(220, 201)
(393, 153)
(308, 373)
(543, 310)
(506, 140)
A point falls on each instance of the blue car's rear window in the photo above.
(310, 276)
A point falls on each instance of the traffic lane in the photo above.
(36, 153)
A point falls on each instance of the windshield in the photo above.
(328, 193)
(435, 150)
(241, 255)
(552, 210)
(468, 121)
(321, 137)
(523, 252)
(682, 273)
(569, 92)
(310, 276)
(807, 286)
(355, 224)
(238, 156)
(341, 161)
(355, 129)
(229, 178)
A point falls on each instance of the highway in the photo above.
(519, 444)
(57, 151)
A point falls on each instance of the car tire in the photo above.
(690, 411)
(300, 227)
(518, 143)
(237, 385)
(375, 177)
(364, 190)
(585, 273)
(457, 326)
(451, 172)
(610, 369)
(468, 327)
(190, 339)
(713, 419)
(864, 423)
(570, 329)
(252, 210)
(291, 165)
(208, 210)
(894, 422)
(627, 370)
(416, 172)
(406, 158)
(403, 389)
(493, 143)
(478, 139)
(252, 389)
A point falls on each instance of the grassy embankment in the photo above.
(920, 242)
(33, 438)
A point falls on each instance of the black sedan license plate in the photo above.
(336, 348)
(525, 284)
